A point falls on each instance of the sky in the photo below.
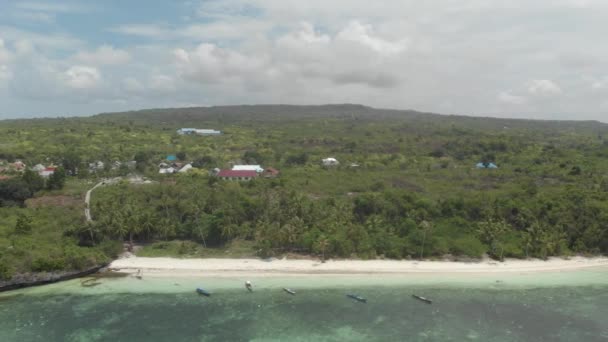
(541, 59)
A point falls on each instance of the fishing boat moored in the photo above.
(357, 298)
(290, 291)
(422, 299)
(202, 292)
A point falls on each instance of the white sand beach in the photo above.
(164, 267)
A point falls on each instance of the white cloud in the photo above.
(364, 35)
(132, 85)
(5, 54)
(509, 98)
(543, 88)
(5, 74)
(49, 40)
(162, 84)
(24, 47)
(353, 56)
(143, 30)
(82, 77)
(53, 7)
(209, 63)
(390, 53)
(104, 55)
(39, 17)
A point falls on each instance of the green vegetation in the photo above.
(40, 240)
(406, 186)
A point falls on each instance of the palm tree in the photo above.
(491, 232)
(323, 243)
(425, 226)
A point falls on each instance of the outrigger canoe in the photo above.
(357, 298)
(202, 292)
(290, 291)
(422, 299)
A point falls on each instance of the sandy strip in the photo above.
(229, 267)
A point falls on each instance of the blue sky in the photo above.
(505, 58)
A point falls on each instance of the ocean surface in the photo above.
(570, 306)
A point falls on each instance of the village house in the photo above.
(18, 165)
(47, 172)
(96, 166)
(330, 162)
(482, 165)
(197, 131)
(256, 168)
(38, 168)
(167, 170)
(186, 168)
(237, 175)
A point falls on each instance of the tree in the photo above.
(322, 244)
(14, 191)
(23, 225)
(426, 227)
(203, 162)
(297, 159)
(34, 181)
(181, 155)
(71, 162)
(141, 160)
(56, 180)
(253, 157)
(491, 232)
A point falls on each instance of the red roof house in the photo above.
(47, 172)
(240, 175)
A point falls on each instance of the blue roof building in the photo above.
(486, 166)
(171, 157)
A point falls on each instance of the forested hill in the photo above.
(408, 185)
(264, 113)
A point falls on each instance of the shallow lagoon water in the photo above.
(568, 306)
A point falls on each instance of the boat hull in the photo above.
(203, 292)
(357, 298)
(423, 299)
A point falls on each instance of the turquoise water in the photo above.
(516, 308)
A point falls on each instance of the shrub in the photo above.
(5, 271)
(469, 246)
(48, 264)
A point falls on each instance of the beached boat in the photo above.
(422, 299)
(290, 291)
(357, 298)
(202, 292)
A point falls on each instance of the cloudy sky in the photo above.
(508, 58)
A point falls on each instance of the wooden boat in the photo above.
(422, 299)
(290, 291)
(357, 298)
(202, 292)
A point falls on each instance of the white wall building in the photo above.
(330, 162)
(184, 131)
(256, 168)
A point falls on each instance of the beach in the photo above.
(161, 267)
(515, 300)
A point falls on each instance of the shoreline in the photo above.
(44, 278)
(168, 267)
